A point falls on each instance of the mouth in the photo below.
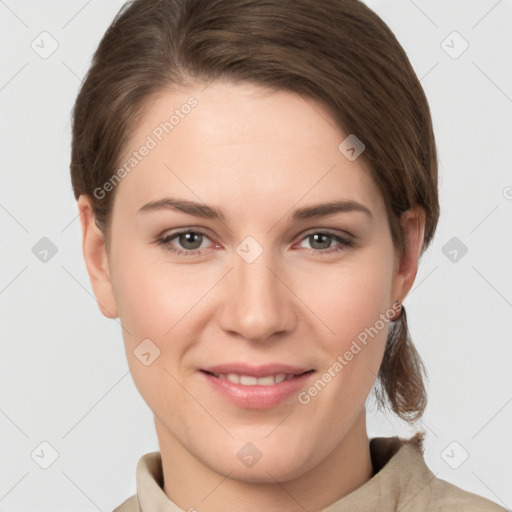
(252, 380)
(259, 387)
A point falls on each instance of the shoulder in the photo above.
(406, 479)
(448, 497)
(129, 505)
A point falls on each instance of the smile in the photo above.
(251, 392)
(250, 380)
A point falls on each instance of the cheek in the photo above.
(155, 303)
(349, 297)
(153, 297)
(165, 305)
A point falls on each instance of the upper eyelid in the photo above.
(328, 231)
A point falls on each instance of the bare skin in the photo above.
(257, 156)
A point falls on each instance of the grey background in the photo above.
(64, 377)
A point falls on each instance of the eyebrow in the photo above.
(207, 212)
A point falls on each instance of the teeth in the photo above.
(248, 380)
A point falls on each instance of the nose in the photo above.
(257, 303)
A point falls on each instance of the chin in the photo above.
(280, 471)
(265, 464)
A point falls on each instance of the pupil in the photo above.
(317, 239)
(190, 240)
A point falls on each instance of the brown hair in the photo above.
(337, 52)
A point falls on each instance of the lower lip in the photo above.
(257, 397)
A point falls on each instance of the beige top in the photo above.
(401, 481)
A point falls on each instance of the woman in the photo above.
(256, 182)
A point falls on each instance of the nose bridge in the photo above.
(255, 277)
(258, 305)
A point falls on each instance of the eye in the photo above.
(188, 242)
(192, 242)
(321, 242)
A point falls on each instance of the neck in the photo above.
(191, 484)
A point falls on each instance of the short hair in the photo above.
(336, 52)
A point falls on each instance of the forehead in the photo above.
(241, 144)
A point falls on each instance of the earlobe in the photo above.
(96, 261)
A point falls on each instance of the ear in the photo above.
(95, 256)
(413, 225)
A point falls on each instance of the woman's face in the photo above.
(264, 279)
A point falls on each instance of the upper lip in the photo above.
(256, 371)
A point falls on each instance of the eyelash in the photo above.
(164, 242)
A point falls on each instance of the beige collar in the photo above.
(399, 474)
